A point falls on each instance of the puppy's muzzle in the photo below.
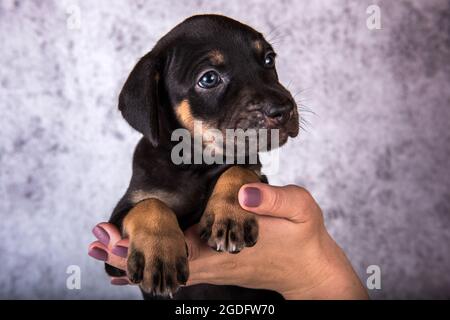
(277, 115)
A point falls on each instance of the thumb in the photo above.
(290, 202)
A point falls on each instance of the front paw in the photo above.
(228, 228)
(158, 263)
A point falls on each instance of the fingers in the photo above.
(120, 281)
(122, 243)
(99, 251)
(290, 202)
(107, 233)
(110, 246)
(112, 249)
(120, 249)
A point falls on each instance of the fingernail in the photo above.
(119, 282)
(120, 251)
(252, 197)
(101, 235)
(98, 254)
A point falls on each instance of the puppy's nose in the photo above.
(279, 113)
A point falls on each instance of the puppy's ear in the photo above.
(138, 100)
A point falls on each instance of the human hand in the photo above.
(294, 255)
(110, 248)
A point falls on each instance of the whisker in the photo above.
(289, 83)
(303, 107)
(274, 29)
(301, 91)
(275, 35)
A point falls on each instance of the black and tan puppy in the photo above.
(221, 72)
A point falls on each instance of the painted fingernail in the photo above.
(119, 282)
(101, 235)
(98, 254)
(120, 251)
(252, 197)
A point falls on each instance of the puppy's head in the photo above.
(212, 69)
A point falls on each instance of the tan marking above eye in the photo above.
(258, 45)
(216, 57)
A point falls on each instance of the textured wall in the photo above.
(375, 152)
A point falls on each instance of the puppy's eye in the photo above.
(209, 80)
(269, 60)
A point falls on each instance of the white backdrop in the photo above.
(375, 152)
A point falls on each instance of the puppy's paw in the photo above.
(158, 263)
(228, 228)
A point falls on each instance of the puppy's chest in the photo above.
(186, 193)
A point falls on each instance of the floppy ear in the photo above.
(138, 100)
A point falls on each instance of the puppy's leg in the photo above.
(224, 224)
(157, 258)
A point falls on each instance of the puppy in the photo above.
(216, 70)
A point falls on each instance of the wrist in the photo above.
(331, 277)
(337, 287)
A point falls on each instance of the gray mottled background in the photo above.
(375, 153)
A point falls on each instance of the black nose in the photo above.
(279, 113)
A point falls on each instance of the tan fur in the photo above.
(258, 46)
(150, 215)
(225, 192)
(257, 170)
(216, 57)
(167, 197)
(154, 231)
(187, 120)
(184, 115)
(223, 204)
(232, 179)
